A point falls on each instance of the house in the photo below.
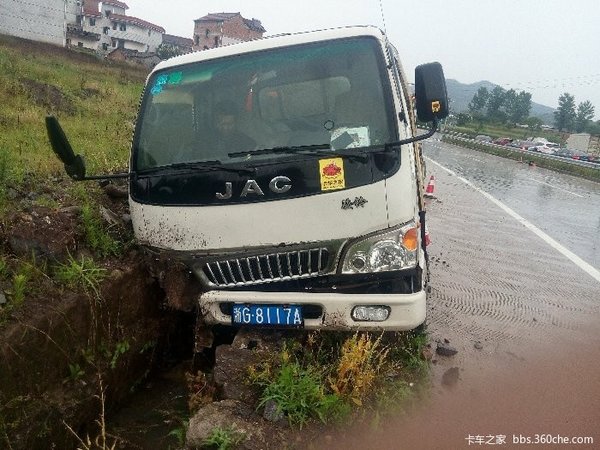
(104, 26)
(100, 26)
(217, 29)
(146, 59)
(37, 20)
(179, 45)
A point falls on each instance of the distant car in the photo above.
(527, 145)
(564, 153)
(580, 157)
(549, 148)
(483, 138)
(503, 141)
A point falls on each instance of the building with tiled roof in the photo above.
(116, 3)
(104, 26)
(180, 44)
(98, 25)
(217, 29)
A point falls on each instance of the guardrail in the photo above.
(518, 151)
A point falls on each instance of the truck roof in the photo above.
(280, 40)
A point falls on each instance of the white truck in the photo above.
(284, 172)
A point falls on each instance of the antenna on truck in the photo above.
(382, 16)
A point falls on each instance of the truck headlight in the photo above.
(393, 249)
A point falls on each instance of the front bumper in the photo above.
(326, 311)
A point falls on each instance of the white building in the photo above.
(38, 20)
(104, 26)
(101, 26)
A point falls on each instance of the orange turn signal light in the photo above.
(410, 240)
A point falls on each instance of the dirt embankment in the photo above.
(64, 347)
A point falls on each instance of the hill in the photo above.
(95, 100)
(461, 94)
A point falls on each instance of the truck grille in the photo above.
(267, 268)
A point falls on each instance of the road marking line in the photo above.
(586, 267)
(556, 187)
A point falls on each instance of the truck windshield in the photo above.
(327, 94)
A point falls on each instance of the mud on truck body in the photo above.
(310, 212)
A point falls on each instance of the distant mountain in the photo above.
(461, 94)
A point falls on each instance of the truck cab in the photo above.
(285, 173)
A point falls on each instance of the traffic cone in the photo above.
(430, 188)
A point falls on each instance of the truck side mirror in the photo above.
(74, 164)
(430, 92)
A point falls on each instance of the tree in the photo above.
(585, 113)
(479, 101)
(494, 103)
(534, 123)
(462, 119)
(564, 116)
(522, 107)
(593, 128)
(166, 51)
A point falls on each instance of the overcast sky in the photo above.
(546, 47)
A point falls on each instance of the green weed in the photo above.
(4, 268)
(407, 352)
(97, 237)
(121, 348)
(84, 273)
(362, 358)
(75, 372)
(179, 433)
(300, 394)
(223, 438)
(19, 289)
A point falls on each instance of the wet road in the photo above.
(565, 207)
(516, 249)
(515, 289)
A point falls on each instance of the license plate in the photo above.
(289, 316)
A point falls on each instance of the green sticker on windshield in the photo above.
(175, 77)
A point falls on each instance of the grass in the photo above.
(333, 377)
(299, 393)
(223, 438)
(83, 273)
(96, 103)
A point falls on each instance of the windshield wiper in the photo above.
(317, 149)
(201, 166)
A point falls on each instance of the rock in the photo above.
(231, 370)
(227, 414)
(478, 345)
(272, 413)
(72, 210)
(450, 377)
(248, 348)
(109, 216)
(2, 298)
(12, 194)
(445, 350)
(114, 191)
